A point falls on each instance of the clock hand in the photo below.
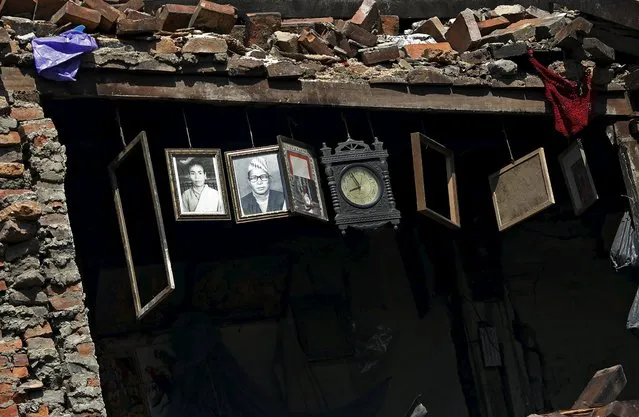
(355, 179)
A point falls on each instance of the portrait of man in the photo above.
(258, 188)
(261, 198)
(197, 184)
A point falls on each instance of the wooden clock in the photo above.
(360, 185)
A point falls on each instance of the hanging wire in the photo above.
(248, 122)
(35, 9)
(291, 123)
(186, 126)
(348, 134)
(510, 151)
(117, 117)
(421, 121)
(370, 125)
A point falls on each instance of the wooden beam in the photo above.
(624, 12)
(248, 91)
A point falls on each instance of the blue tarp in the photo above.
(58, 58)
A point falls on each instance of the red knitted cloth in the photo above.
(571, 109)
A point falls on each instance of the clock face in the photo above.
(360, 187)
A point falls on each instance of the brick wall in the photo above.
(47, 361)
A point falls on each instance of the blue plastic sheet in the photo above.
(58, 58)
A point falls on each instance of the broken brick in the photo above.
(219, 18)
(260, 27)
(245, 67)
(131, 5)
(38, 331)
(77, 15)
(172, 17)
(571, 35)
(298, 25)
(367, 16)
(417, 50)
(22, 114)
(434, 28)
(20, 359)
(478, 56)
(130, 27)
(314, 43)
(284, 70)
(205, 45)
(46, 8)
(545, 27)
(109, 14)
(598, 51)
(372, 56)
(286, 41)
(10, 345)
(490, 25)
(20, 372)
(359, 34)
(464, 33)
(509, 34)
(165, 45)
(390, 25)
(3, 285)
(12, 138)
(537, 13)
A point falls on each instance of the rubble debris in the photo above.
(535, 12)
(545, 27)
(359, 34)
(284, 70)
(432, 27)
(428, 75)
(367, 16)
(417, 50)
(502, 67)
(382, 53)
(298, 25)
(77, 15)
(488, 26)
(218, 18)
(598, 51)
(314, 43)
(513, 13)
(632, 81)
(172, 17)
(205, 45)
(260, 27)
(604, 387)
(509, 50)
(131, 5)
(464, 33)
(109, 15)
(286, 41)
(132, 27)
(570, 36)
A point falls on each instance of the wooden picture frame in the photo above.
(141, 310)
(579, 182)
(418, 140)
(302, 178)
(521, 189)
(188, 165)
(266, 161)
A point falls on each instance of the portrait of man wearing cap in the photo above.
(261, 198)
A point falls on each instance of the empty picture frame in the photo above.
(521, 189)
(141, 310)
(581, 187)
(420, 141)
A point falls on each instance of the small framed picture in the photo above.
(581, 187)
(257, 187)
(302, 179)
(198, 184)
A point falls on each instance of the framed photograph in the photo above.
(257, 186)
(156, 361)
(581, 187)
(420, 144)
(198, 186)
(521, 189)
(302, 179)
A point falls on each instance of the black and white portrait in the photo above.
(256, 181)
(197, 184)
(302, 178)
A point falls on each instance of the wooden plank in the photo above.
(243, 91)
(603, 388)
(619, 11)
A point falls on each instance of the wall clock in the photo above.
(360, 185)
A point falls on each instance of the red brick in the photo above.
(464, 33)
(417, 50)
(367, 16)
(4, 362)
(286, 41)
(37, 331)
(175, 16)
(12, 138)
(11, 169)
(93, 382)
(20, 372)
(488, 26)
(77, 15)
(131, 5)
(434, 28)
(219, 18)
(390, 25)
(3, 285)
(109, 14)
(130, 27)
(314, 43)
(260, 27)
(27, 129)
(20, 359)
(379, 54)
(359, 35)
(11, 411)
(22, 114)
(10, 345)
(86, 349)
(42, 412)
(67, 300)
(22, 210)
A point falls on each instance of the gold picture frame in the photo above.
(521, 189)
(216, 206)
(417, 141)
(245, 192)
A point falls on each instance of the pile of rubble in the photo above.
(478, 47)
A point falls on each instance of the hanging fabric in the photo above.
(570, 108)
